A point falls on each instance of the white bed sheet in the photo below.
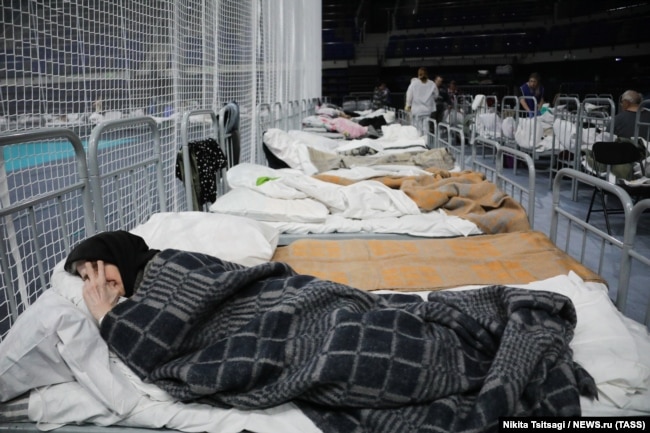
(566, 135)
(427, 225)
(535, 132)
(614, 349)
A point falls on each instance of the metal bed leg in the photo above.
(605, 213)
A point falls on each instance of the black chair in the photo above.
(608, 154)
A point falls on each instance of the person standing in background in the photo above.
(421, 100)
(532, 89)
(452, 92)
(454, 114)
(442, 100)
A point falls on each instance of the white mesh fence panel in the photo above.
(77, 63)
(74, 63)
(41, 215)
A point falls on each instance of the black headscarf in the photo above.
(129, 252)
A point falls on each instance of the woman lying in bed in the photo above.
(255, 337)
(111, 265)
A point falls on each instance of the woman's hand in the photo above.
(100, 296)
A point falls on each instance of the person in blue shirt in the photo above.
(532, 89)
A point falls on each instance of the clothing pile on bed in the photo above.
(351, 125)
(313, 153)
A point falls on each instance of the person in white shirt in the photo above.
(421, 100)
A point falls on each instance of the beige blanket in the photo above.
(432, 264)
(438, 158)
(465, 194)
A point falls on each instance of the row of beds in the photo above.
(472, 226)
(561, 136)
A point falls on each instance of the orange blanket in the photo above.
(432, 264)
(465, 194)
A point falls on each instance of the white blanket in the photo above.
(292, 146)
(296, 203)
(566, 135)
(535, 132)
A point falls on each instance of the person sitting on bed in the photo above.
(111, 265)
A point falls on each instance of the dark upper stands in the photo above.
(340, 29)
(433, 14)
(429, 28)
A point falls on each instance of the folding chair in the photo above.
(609, 153)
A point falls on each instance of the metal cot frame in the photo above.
(85, 192)
(267, 116)
(511, 107)
(491, 105)
(643, 108)
(27, 254)
(567, 116)
(494, 170)
(452, 138)
(600, 118)
(594, 247)
(39, 230)
(134, 207)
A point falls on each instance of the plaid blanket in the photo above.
(202, 328)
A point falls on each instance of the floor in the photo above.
(639, 290)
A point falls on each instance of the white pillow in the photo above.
(228, 237)
(249, 203)
(317, 141)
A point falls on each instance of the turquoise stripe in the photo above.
(25, 155)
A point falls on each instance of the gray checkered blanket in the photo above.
(204, 329)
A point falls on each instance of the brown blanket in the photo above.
(432, 264)
(465, 194)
